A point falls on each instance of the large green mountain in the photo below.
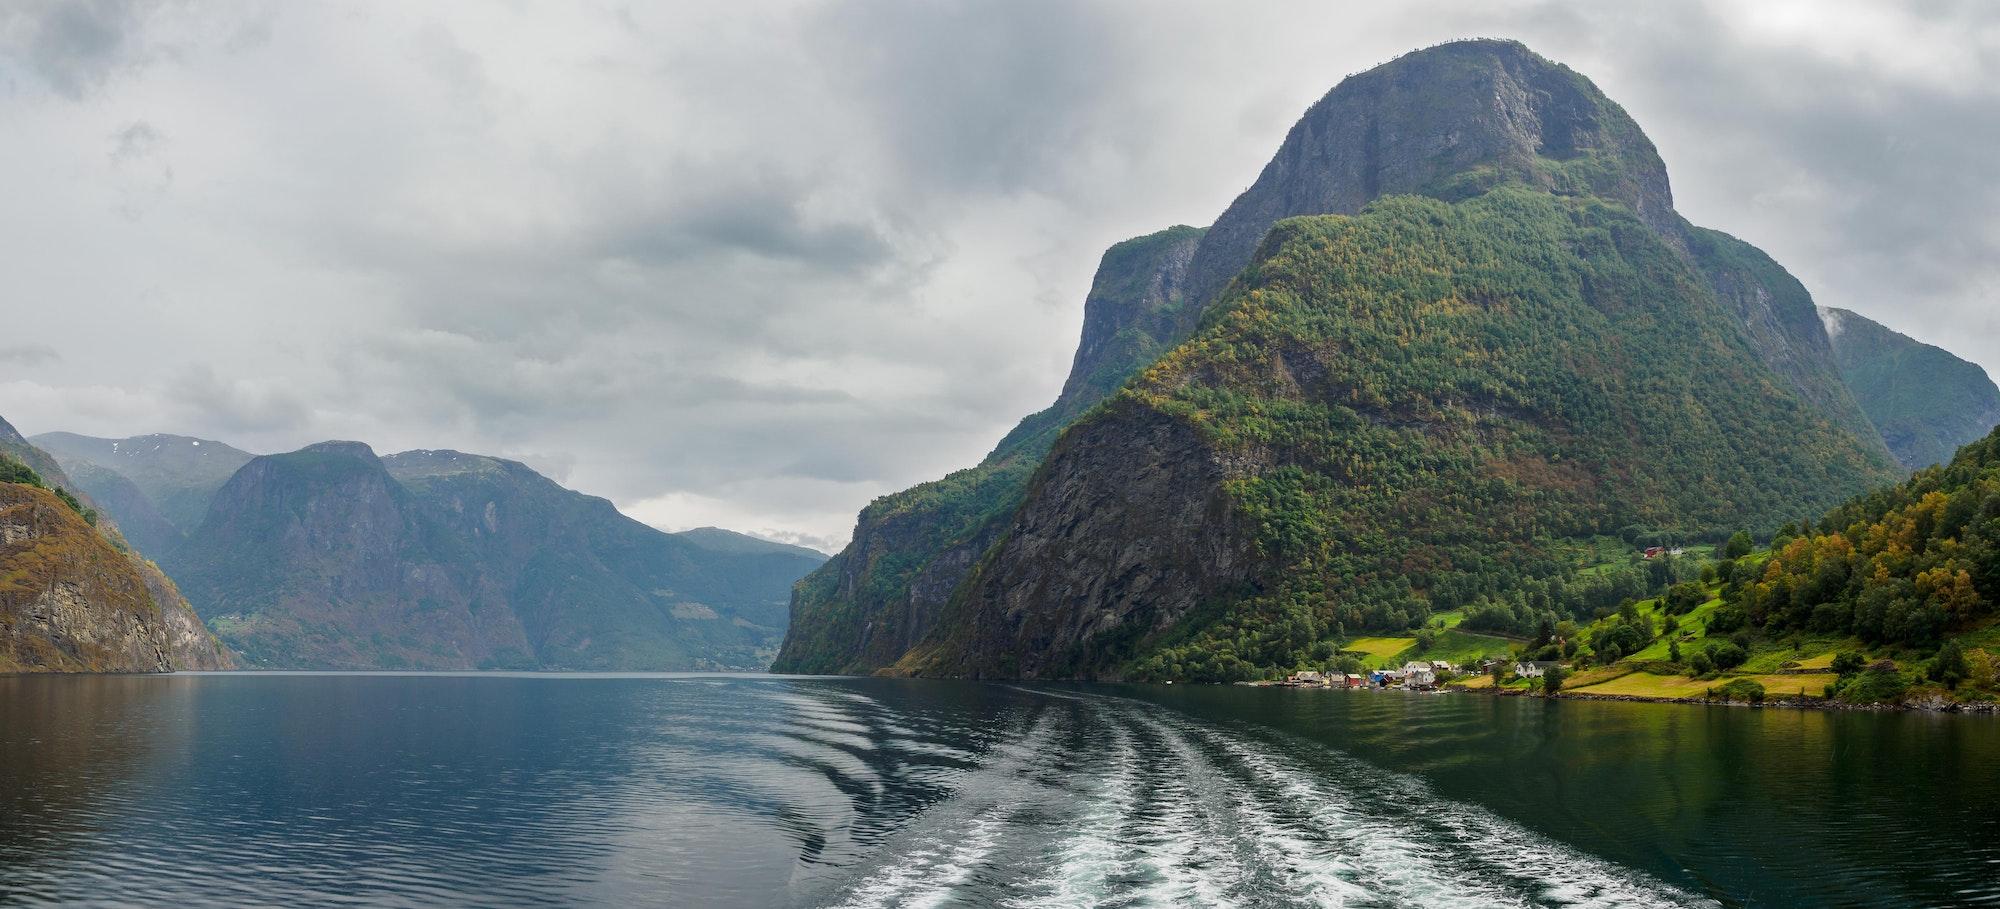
(329, 557)
(1925, 401)
(74, 596)
(1325, 449)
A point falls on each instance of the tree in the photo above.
(1684, 597)
(1673, 651)
(1426, 639)
(1499, 673)
(1949, 667)
(1739, 545)
(1849, 663)
(1552, 680)
(1727, 656)
(1700, 664)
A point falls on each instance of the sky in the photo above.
(755, 264)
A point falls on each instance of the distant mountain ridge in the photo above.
(330, 557)
(1927, 402)
(179, 474)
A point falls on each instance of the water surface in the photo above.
(704, 790)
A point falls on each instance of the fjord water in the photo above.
(702, 790)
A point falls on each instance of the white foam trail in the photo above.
(1181, 814)
(1305, 872)
(927, 875)
(951, 843)
(1415, 869)
(1088, 859)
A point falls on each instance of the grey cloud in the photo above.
(28, 355)
(235, 407)
(134, 141)
(75, 46)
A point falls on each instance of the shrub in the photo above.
(1949, 667)
(1876, 686)
(1748, 691)
(1727, 656)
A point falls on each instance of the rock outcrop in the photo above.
(74, 595)
(72, 601)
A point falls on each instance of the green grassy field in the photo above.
(1376, 652)
(1648, 685)
(1461, 647)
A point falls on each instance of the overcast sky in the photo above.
(755, 266)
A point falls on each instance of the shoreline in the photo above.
(1789, 703)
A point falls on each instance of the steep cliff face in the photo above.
(1386, 413)
(1450, 122)
(881, 594)
(1926, 402)
(69, 601)
(1070, 590)
(318, 559)
(72, 601)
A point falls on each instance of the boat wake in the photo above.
(1106, 801)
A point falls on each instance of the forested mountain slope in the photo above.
(1453, 123)
(1390, 414)
(1926, 402)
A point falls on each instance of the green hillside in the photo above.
(1889, 598)
(1402, 410)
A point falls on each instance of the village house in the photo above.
(1533, 669)
(1356, 681)
(1307, 679)
(1419, 675)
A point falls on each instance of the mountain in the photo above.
(176, 474)
(74, 597)
(1926, 402)
(329, 557)
(1309, 457)
(883, 593)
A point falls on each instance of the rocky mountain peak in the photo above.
(1448, 121)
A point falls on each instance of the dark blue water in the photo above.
(692, 790)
